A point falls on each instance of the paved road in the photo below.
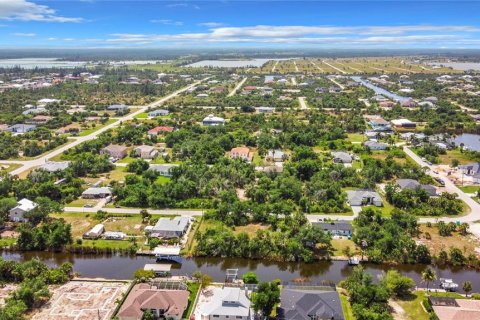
(474, 214)
(29, 164)
(332, 66)
(136, 211)
(303, 103)
(296, 67)
(316, 66)
(337, 83)
(238, 86)
(294, 81)
(275, 65)
(315, 217)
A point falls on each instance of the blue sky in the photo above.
(282, 24)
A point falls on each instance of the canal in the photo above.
(379, 90)
(123, 267)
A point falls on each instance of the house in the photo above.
(95, 232)
(54, 166)
(163, 169)
(341, 157)
(414, 184)
(71, 128)
(146, 152)
(412, 136)
(117, 107)
(363, 197)
(378, 123)
(447, 308)
(17, 214)
(403, 123)
(39, 119)
(170, 228)
(164, 304)
(21, 128)
(265, 109)
(374, 145)
(472, 170)
(161, 129)
(211, 120)
(115, 151)
(298, 304)
(158, 113)
(227, 303)
(113, 235)
(335, 228)
(276, 155)
(241, 153)
(96, 193)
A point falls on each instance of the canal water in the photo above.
(123, 267)
(470, 141)
(379, 90)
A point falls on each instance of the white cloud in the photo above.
(358, 35)
(182, 5)
(211, 24)
(22, 34)
(28, 11)
(167, 22)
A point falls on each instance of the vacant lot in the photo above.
(81, 222)
(82, 300)
(467, 243)
(250, 229)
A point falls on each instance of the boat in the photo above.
(448, 284)
(353, 261)
(168, 254)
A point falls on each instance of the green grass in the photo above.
(355, 137)
(193, 288)
(454, 295)
(97, 127)
(143, 115)
(127, 160)
(162, 180)
(469, 189)
(11, 167)
(347, 308)
(7, 242)
(357, 164)
(112, 244)
(340, 244)
(413, 306)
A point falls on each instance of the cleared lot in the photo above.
(82, 300)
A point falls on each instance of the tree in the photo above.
(400, 286)
(455, 163)
(144, 274)
(467, 287)
(429, 275)
(205, 280)
(267, 295)
(250, 278)
(148, 315)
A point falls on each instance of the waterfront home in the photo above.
(146, 152)
(115, 151)
(96, 193)
(335, 228)
(303, 304)
(169, 228)
(54, 166)
(211, 120)
(363, 197)
(341, 157)
(241, 153)
(160, 129)
(374, 145)
(95, 232)
(163, 169)
(227, 303)
(471, 170)
(447, 308)
(164, 304)
(17, 214)
(378, 123)
(158, 113)
(414, 184)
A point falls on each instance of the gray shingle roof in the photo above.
(303, 304)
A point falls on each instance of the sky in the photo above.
(219, 24)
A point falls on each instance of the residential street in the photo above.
(237, 87)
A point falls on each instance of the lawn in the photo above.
(356, 137)
(162, 180)
(82, 202)
(131, 225)
(193, 289)
(454, 295)
(413, 306)
(454, 154)
(340, 244)
(112, 244)
(127, 160)
(7, 242)
(437, 242)
(8, 167)
(118, 174)
(80, 222)
(97, 127)
(470, 189)
(143, 115)
(347, 308)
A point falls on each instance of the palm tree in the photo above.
(429, 275)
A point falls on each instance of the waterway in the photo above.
(379, 90)
(123, 267)
(470, 141)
